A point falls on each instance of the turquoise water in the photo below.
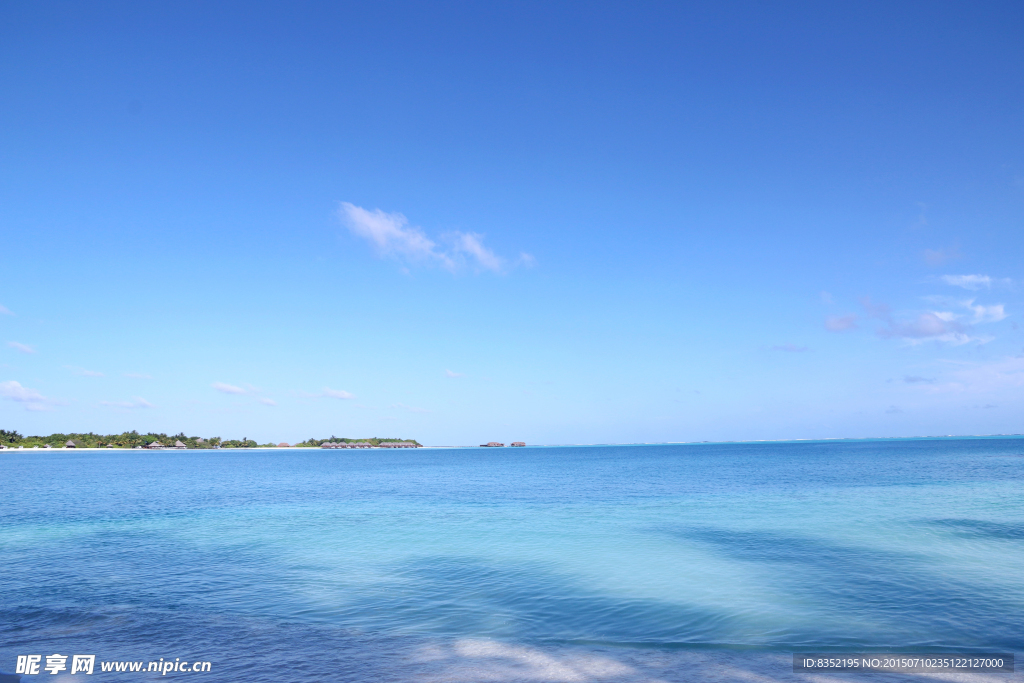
(311, 558)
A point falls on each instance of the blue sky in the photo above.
(550, 222)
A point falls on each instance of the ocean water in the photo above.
(334, 565)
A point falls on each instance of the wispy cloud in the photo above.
(390, 233)
(5, 311)
(29, 398)
(449, 373)
(790, 348)
(937, 257)
(950, 326)
(841, 323)
(137, 402)
(268, 401)
(327, 392)
(472, 244)
(984, 377)
(986, 314)
(393, 236)
(968, 281)
(917, 379)
(24, 348)
(227, 388)
(137, 375)
(922, 219)
(967, 310)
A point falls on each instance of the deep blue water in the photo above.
(316, 560)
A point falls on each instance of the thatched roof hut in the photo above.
(179, 444)
(70, 444)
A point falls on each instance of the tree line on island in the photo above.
(133, 439)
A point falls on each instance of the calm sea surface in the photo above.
(325, 563)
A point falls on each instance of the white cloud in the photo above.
(391, 235)
(24, 348)
(5, 311)
(449, 373)
(336, 393)
(969, 312)
(389, 232)
(948, 326)
(927, 326)
(227, 388)
(936, 257)
(841, 323)
(30, 398)
(987, 314)
(968, 281)
(136, 402)
(472, 244)
(268, 401)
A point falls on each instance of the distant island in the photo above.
(133, 439)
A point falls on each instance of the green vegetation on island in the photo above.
(132, 439)
(374, 441)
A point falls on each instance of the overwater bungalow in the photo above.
(492, 444)
(520, 444)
